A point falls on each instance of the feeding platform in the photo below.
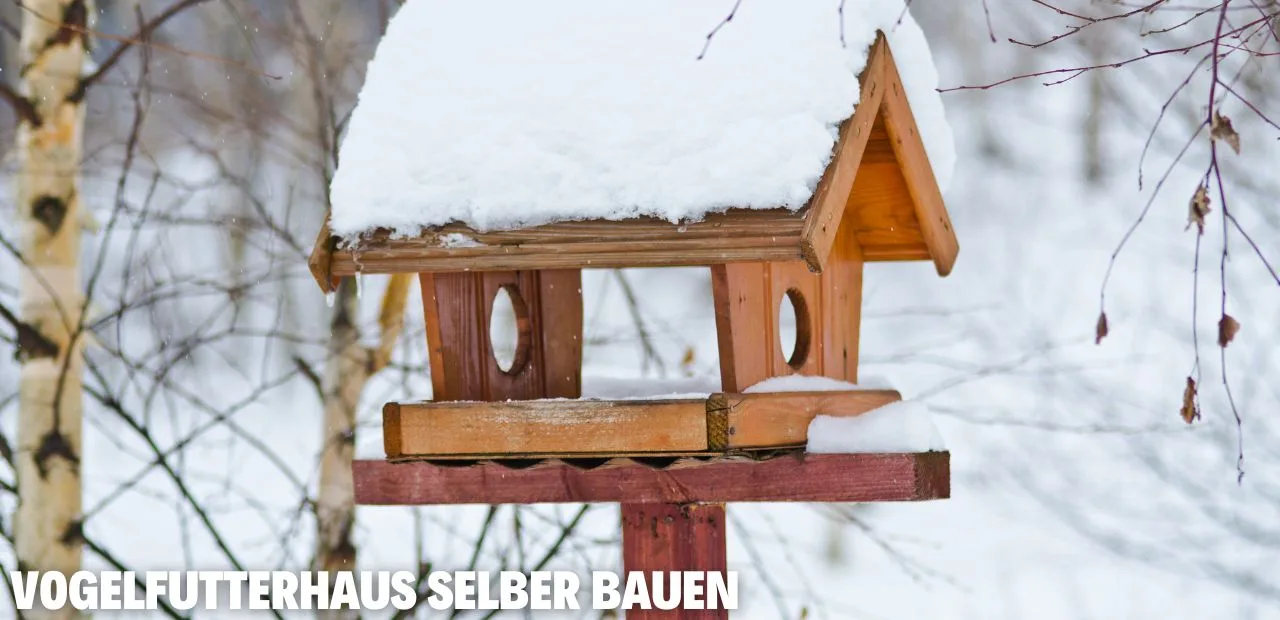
(717, 425)
(774, 163)
(792, 477)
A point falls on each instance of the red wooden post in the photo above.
(673, 537)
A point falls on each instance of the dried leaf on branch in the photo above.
(1199, 208)
(1101, 330)
(1221, 129)
(1190, 408)
(1228, 327)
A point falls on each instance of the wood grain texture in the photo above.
(841, 307)
(570, 427)
(827, 207)
(674, 537)
(802, 478)
(585, 428)
(744, 324)
(748, 299)
(767, 420)
(881, 208)
(733, 236)
(913, 161)
(320, 263)
(457, 307)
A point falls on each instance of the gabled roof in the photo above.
(879, 181)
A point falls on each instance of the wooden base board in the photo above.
(718, 424)
(792, 478)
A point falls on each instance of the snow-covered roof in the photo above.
(508, 113)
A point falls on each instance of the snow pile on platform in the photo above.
(904, 426)
(509, 113)
(808, 383)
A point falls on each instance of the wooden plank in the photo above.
(560, 317)
(767, 420)
(931, 213)
(732, 236)
(577, 427)
(674, 537)
(680, 252)
(841, 306)
(454, 310)
(827, 207)
(806, 478)
(580, 428)
(730, 223)
(320, 263)
(744, 324)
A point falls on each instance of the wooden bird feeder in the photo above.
(672, 464)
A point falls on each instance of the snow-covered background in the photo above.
(1078, 491)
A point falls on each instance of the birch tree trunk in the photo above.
(346, 372)
(47, 525)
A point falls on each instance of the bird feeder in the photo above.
(671, 463)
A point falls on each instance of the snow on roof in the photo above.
(509, 113)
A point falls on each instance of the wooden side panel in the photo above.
(579, 428)
(674, 537)
(782, 419)
(748, 297)
(808, 303)
(457, 308)
(805, 478)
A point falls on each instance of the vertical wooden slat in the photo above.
(674, 537)
(841, 314)
(560, 303)
(454, 308)
(744, 327)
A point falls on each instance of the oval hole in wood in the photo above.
(509, 330)
(794, 328)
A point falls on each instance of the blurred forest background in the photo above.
(216, 379)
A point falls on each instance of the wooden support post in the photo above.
(674, 537)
